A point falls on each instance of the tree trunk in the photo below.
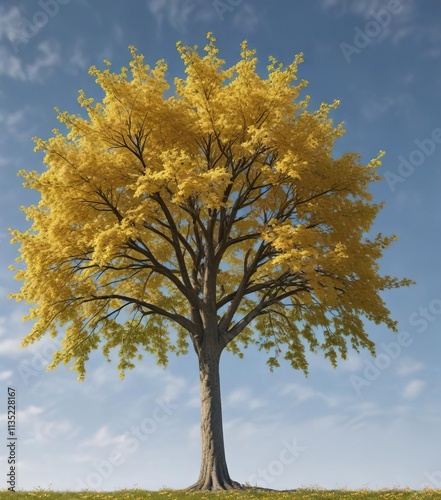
(214, 471)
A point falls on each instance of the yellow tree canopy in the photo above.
(219, 211)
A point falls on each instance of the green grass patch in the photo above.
(300, 494)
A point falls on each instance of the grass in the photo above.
(300, 494)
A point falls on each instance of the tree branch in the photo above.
(178, 318)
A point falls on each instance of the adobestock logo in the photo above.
(392, 351)
(406, 166)
(372, 369)
(223, 6)
(434, 478)
(24, 29)
(267, 475)
(41, 357)
(379, 21)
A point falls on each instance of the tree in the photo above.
(219, 211)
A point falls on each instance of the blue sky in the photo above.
(372, 423)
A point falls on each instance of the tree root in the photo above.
(217, 485)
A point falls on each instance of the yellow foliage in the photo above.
(210, 210)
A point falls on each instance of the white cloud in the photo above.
(361, 415)
(9, 18)
(195, 432)
(246, 17)
(361, 8)
(48, 56)
(193, 402)
(14, 121)
(413, 389)
(408, 196)
(17, 125)
(173, 388)
(103, 438)
(408, 366)
(353, 363)
(11, 65)
(53, 430)
(118, 33)
(29, 413)
(302, 393)
(402, 33)
(394, 24)
(10, 347)
(5, 375)
(242, 396)
(374, 108)
(36, 71)
(433, 52)
(299, 392)
(77, 61)
(179, 12)
(193, 399)
(242, 428)
(105, 375)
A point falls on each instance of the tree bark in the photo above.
(214, 471)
